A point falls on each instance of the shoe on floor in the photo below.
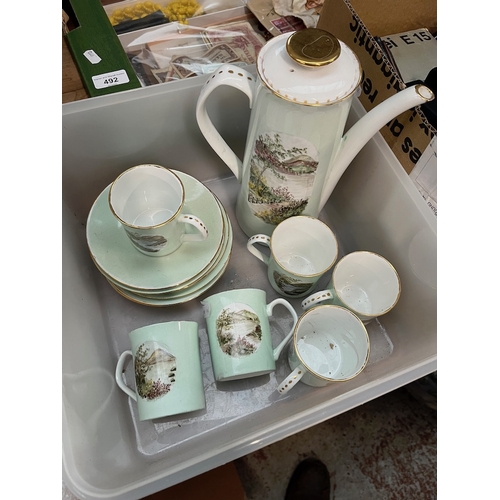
(310, 481)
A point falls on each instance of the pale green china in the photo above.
(167, 369)
(115, 256)
(239, 333)
(211, 275)
(184, 295)
(187, 285)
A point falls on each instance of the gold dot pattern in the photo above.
(200, 223)
(282, 389)
(321, 297)
(230, 71)
(259, 237)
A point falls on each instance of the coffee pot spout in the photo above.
(363, 130)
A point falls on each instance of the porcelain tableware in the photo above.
(117, 258)
(194, 282)
(148, 200)
(330, 344)
(302, 250)
(364, 282)
(239, 333)
(296, 148)
(167, 369)
(184, 295)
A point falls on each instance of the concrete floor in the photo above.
(385, 449)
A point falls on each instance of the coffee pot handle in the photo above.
(233, 76)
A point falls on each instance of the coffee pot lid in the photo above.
(310, 67)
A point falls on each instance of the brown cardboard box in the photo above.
(220, 483)
(356, 22)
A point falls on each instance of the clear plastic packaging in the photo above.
(176, 52)
(132, 15)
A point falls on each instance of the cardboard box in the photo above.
(356, 23)
(414, 53)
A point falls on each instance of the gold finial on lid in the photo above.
(313, 47)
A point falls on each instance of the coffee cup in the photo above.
(302, 249)
(239, 333)
(167, 369)
(330, 344)
(148, 201)
(364, 282)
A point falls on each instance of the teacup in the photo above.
(364, 282)
(302, 249)
(330, 344)
(239, 333)
(167, 369)
(148, 201)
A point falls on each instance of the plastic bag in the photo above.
(176, 52)
(307, 10)
(133, 15)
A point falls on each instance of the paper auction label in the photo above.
(110, 79)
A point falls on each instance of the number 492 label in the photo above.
(109, 79)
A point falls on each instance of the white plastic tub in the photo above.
(107, 452)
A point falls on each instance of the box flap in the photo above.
(393, 16)
(409, 134)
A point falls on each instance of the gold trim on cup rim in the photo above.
(367, 315)
(183, 195)
(313, 372)
(298, 274)
(221, 248)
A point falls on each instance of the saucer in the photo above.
(185, 295)
(190, 282)
(117, 259)
(190, 285)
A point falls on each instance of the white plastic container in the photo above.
(107, 452)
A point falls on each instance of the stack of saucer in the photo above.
(162, 281)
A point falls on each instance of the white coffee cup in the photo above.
(148, 201)
(330, 344)
(364, 282)
(302, 249)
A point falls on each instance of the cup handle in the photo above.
(198, 224)
(118, 375)
(259, 238)
(316, 298)
(291, 379)
(270, 307)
